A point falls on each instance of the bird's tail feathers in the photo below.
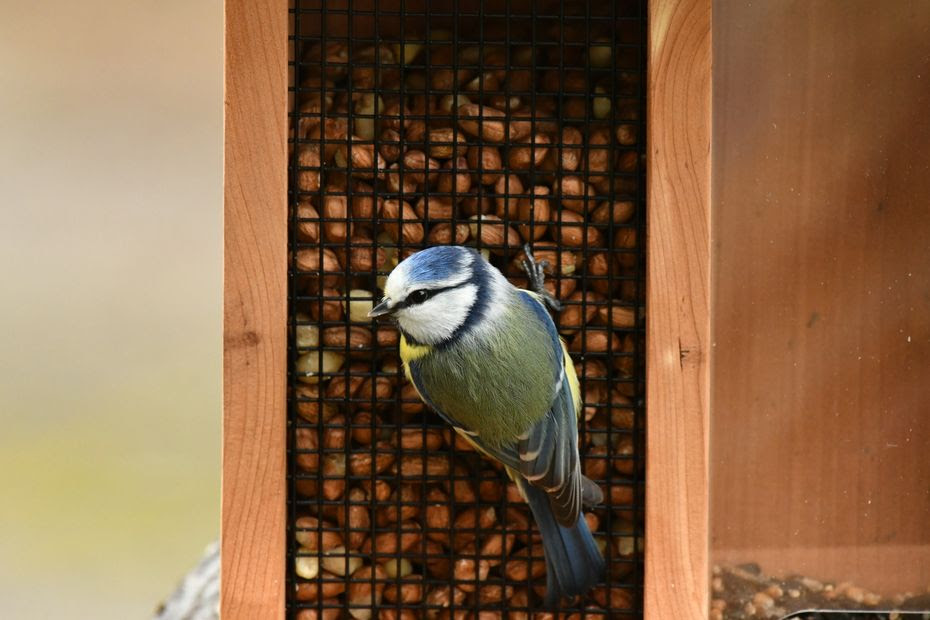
(573, 562)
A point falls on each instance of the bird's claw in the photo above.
(535, 273)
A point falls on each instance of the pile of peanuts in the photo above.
(397, 517)
(744, 592)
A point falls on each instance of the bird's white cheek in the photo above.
(437, 319)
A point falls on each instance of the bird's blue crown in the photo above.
(438, 263)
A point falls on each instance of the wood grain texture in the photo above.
(255, 310)
(678, 338)
(821, 398)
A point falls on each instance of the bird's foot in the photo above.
(535, 272)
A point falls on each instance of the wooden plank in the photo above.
(678, 287)
(255, 310)
(822, 291)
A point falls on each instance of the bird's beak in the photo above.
(385, 307)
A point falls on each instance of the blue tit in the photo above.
(487, 358)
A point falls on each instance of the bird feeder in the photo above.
(745, 301)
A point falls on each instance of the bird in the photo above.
(487, 357)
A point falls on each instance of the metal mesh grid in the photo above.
(480, 123)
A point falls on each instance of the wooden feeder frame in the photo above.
(255, 309)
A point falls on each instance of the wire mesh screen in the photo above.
(489, 124)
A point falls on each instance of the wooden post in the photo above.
(255, 310)
(678, 288)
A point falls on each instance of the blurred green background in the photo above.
(110, 302)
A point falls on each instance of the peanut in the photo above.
(364, 464)
(571, 192)
(490, 123)
(306, 336)
(485, 162)
(364, 254)
(521, 566)
(410, 402)
(351, 337)
(362, 596)
(524, 157)
(444, 596)
(494, 593)
(418, 439)
(388, 613)
(357, 304)
(493, 233)
(419, 166)
(455, 177)
(595, 340)
(392, 542)
(626, 134)
(314, 365)
(314, 535)
(417, 467)
(308, 224)
(377, 388)
(309, 260)
(435, 208)
(403, 506)
(330, 612)
(398, 182)
(438, 516)
(335, 211)
(600, 54)
(387, 337)
(445, 143)
(341, 386)
(390, 144)
(570, 228)
(613, 598)
(508, 189)
(442, 234)
(465, 570)
(338, 561)
(601, 104)
(317, 589)
(613, 212)
(598, 151)
(362, 424)
(308, 176)
(627, 161)
(309, 407)
(331, 132)
(570, 150)
(534, 211)
(355, 518)
(401, 221)
(365, 203)
(496, 548)
(367, 107)
(408, 591)
(328, 308)
(360, 159)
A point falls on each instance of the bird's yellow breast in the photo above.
(410, 352)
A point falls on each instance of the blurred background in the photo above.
(110, 306)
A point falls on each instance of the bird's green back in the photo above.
(496, 382)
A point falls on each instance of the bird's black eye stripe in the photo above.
(422, 294)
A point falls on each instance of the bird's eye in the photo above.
(418, 296)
